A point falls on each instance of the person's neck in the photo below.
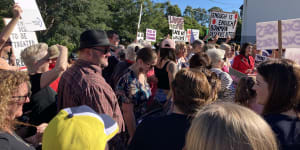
(135, 68)
(176, 110)
(291, 113)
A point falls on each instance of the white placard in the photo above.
(178, 35)
(21, 40)
(267, 34)
(293, 54)
(31, 15)
(140, 36)
(150, 35)
(223, 24)
(176, 23)
(189, 33)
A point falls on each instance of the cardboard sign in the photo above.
(176, 23)
(21, 40)
(267, 34)
(140, 36)
(190, 32)
(293, 54)
(150, 35)
(223, 24)
(178, 35)
(31, 15)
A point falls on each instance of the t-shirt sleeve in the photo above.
(35, 81)
(124, 90)
(4, 144)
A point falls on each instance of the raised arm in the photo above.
(4, 35)
(61, 65)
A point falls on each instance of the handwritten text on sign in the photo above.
(21, 40)
(223, 24)
(267, 34)
(150, 35)
(178, 35)
(31, 15)
(176, 23)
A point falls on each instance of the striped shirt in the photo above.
(83, 84)
(227, 90)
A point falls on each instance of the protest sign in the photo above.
(20, 40)
(189, 33)
(31, 15)
(223, 24)
(150, 35)
(259, 59)
(267, 34)
(140, 36)
(178, 35)
(176, 23)
(293, 54)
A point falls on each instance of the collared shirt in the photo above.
(83, 84)
(130, 90)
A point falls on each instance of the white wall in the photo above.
(266, 10)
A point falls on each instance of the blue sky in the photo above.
(226, 5)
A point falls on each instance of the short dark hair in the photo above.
(146, 54)
(111, 33)
(244, 46)
(200, 59)
(283, 79)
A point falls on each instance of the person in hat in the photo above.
(165, 70)
(37, 59)
(79, 128)
(83, 83)
(217, 62)
(53, 53)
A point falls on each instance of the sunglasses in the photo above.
(105, 49)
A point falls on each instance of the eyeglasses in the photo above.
(105, 50)
(22, 98)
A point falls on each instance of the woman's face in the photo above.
(262, 90)
(248, 50)
(20, 97)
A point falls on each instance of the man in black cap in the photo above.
(83, 84)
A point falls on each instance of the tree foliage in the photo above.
(66, 20)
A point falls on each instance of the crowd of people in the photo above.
(177, 96)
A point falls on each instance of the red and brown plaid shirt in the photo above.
(83, 84)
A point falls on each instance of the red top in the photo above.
(241, 64)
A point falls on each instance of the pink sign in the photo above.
(150, 35)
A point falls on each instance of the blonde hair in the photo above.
(32, 54)
(9, 83)
(132, 50)
(225, 47)
(226, 126)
